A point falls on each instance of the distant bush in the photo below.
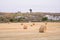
(3, 19)
(11, 20)
(44, 19)
(22, 19)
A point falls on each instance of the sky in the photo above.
(25, 5)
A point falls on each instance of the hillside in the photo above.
(34, 16)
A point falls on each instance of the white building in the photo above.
(52, 17)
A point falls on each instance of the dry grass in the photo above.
(16, 31)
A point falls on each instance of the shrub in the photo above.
(3, 19)
(44, 19)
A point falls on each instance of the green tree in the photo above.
(13, 20)
(30, 10)
(44, 19)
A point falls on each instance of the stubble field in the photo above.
(16, 31)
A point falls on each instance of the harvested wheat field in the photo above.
(29, 31)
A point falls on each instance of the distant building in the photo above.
(53, 17)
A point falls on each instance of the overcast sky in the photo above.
(25, 5)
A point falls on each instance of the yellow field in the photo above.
(16, 31)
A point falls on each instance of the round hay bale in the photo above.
(21, 23)
(25, 27)
(45, 23)
(42, 29)
(33, 23)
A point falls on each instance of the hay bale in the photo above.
(42, 29)
(21, 23)
(25, 27)
(46, 23)
(33, 23)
